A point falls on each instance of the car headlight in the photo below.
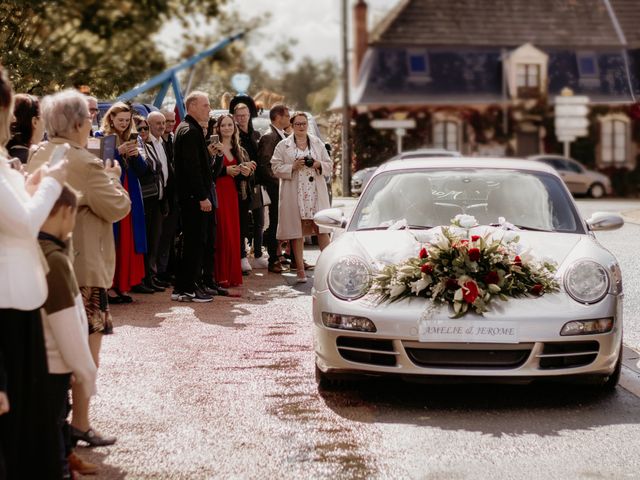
(586, 281)
(349, 278)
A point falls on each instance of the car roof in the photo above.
(466, 162)
(428, 152)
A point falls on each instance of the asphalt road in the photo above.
(226, 390)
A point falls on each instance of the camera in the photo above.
(308, 161)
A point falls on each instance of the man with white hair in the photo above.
(196, 193)
(154, 217)
(92, 103)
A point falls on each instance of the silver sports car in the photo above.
(571, 332)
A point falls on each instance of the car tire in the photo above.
(596, 190)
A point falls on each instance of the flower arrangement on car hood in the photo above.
(467, 271)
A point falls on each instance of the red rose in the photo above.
(470, 291)
(491, 277)
(464, 241)
(517, 260)
(424, 253)
(475, 238)
(537, 289)
(426, 268)
(452, 284)
(474, 254)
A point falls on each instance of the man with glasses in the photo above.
(279, 115)
(92, 103)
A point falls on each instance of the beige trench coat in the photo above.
(102, 201)
(289, 221)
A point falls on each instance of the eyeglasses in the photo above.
(143, 129)
(300, 124)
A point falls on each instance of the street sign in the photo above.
(381, 124)
(571, 110)
(570, 123)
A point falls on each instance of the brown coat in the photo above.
(102, 201)
(289, 221)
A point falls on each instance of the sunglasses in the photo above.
(143, 129)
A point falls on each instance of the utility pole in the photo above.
(346, 111)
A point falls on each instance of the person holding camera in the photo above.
(301, 162)
(130, 232)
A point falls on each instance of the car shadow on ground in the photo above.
(542, 409)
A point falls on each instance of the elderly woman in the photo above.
(130, 232)
(28, 439)
(301, 162)
(102, 202)
(27, 128)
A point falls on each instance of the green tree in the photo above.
(106, 44)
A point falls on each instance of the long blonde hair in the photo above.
(107, 122)
(238, 152)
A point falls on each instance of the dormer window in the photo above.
(528, 80)
(526, 72)
(418, 66)
(587, 65)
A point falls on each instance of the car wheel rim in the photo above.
(597, 191)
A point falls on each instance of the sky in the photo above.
(314, 23)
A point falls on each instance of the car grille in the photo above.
(470, 357)
(556, 355)
(367, 350)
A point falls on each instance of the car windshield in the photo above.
(429, 198)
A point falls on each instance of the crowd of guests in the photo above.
(174, 206)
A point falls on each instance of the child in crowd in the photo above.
(65, 327)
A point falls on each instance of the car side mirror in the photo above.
(604, 221)
(330, 218)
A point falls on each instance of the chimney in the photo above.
(360, 36)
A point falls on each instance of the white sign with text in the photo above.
(468, 331)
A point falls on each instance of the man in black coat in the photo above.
(196, 193)
(279, 115)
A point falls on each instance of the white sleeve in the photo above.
(72, 337)
(24, 219)
(279, 165)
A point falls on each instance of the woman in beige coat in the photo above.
(102, 201)
(301, 161)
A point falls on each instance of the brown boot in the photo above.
(76, 463)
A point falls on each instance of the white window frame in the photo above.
(441, 130)
(415, 76)
(610, 152)
(526, 54)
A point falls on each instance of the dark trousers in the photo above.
(258, 226)
(153, 222)
(244, 207)
(194, 239)
(270, 233)
(29, 440)
(170, 227)
(58, 397)
(208, 264)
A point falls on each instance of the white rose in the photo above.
(465, 221)
(397, 290)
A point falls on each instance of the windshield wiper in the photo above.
(404, 227)
(419, 227)
(379, 227)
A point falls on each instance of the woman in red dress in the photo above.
(227, 257)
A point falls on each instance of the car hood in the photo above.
(381, 247)
(397, 245)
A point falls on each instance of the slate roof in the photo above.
(508, 23)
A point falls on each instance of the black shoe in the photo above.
(208, 290)
(161, 283)
(198, 297)
(140, 288)
(156, 287)
(91, 437)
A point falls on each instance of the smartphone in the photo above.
(58, 154)
(133, 136)
(215, 139)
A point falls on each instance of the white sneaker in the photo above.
(244, 265)
(260, 262)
